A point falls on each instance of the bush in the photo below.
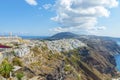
(5, 68)
(16, 61)
(67, 68)
(19, 76)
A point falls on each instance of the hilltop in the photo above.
(64, 35)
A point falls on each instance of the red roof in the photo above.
(3, 46)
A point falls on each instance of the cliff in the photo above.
(78, 58)
(66, 60)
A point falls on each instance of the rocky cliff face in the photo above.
(101, 54)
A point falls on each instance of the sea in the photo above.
(34, 37)
(117, 59)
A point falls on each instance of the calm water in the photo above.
(117, 58)
(34, 37)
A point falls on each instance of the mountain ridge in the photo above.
(68, 35)
(63, 35)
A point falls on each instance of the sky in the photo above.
(47, 17)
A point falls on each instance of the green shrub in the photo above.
(16, 61)
(19, 76)
(5, 68)
(67, 68)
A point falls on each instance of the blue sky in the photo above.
(47, 17)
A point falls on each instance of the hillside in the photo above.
(73, 58)
(62, 59)
(75, 63)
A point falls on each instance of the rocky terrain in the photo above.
(63, 58)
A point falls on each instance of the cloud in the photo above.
(101, 28)
(78, 29)
(77, 15)
(47, 6)
(32, 2)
